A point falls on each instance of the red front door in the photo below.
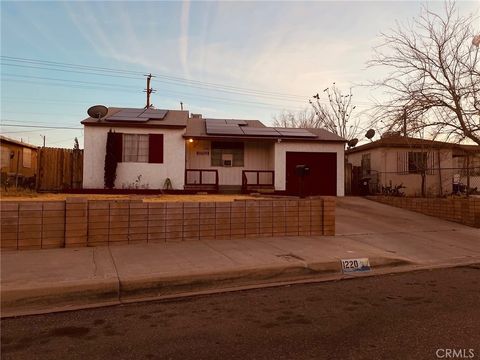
(322, 176)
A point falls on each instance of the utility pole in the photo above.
(181, 105)
(149, 90)
(43, 136)
(405, 122)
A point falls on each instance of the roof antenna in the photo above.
(181, 105)
(149, 91)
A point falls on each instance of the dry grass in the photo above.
(26, 195)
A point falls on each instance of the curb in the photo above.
(79, 295)
(138, 289)
(151, 288)
(16, 301)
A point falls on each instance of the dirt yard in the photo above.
(30, 195)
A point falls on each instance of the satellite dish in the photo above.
(352, 143)
(370, 134)
(97, 111)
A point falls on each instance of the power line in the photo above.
(38, 127)
(113, 88)
(27, 131)
(36, 113)
(59, 141)
(124, 88)
(177, 78)
(62, 64)
(168, 79)
(178, 81)
(69, 71)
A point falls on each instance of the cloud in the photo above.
(184, 37)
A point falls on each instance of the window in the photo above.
(417, 162)
(366, 165)
(27, 158)
(414, 162)
(145, 148)
(135, 148)
(470, 166)
(227, 153)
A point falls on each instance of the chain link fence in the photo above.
(458, 181)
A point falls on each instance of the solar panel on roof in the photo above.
(139, 115)
(127, 115)
(156, 114)
(215, 121)
(240, 127)
(220, 130)
(130, 111)
(224, 131)
(295, 132)
(236, 122)
(220, 127)
(260, 131)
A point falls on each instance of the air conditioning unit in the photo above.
(227, 159)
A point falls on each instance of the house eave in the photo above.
(133, 125)
(259, 138)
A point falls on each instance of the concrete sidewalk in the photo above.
(393, 239)
(61, 279)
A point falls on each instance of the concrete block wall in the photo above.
(79, 222)
(32, 225)
(462, 210)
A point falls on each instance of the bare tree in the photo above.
(434, 78)
(335, 115)
(300, 119)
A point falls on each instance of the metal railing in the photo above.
(257, 179)
(201, 178)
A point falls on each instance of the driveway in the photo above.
(405, 233)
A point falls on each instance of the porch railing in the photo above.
(257, 179)
(201, 179)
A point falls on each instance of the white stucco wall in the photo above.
(153, 175)
(384, 160)
(280, 160)
(257, 156)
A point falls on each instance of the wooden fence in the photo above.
(59, 169)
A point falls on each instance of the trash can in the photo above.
(364, 186)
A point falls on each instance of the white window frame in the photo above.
(135, 148)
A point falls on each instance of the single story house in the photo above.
(169, 149)
(18, 161)
(398, 160)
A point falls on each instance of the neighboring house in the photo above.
(396, 160)
(162, 148)
(18, 160)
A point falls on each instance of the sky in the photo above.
(248, 60)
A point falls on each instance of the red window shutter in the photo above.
(118, 141)
(155, 148)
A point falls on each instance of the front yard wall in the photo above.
(464, 211)
(79, 222)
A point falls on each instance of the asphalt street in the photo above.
(398, 316)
